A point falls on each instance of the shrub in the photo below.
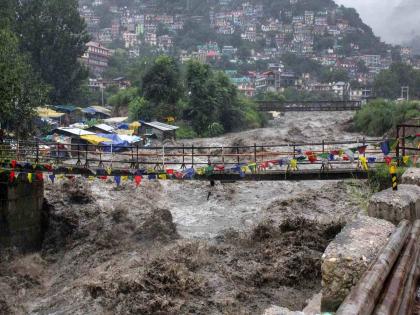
(378, 117)
(214, 130)
(185, 132)
(380, 179)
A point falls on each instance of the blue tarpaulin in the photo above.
(117, 143)
(123, 126)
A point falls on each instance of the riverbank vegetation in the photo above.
(379, 116)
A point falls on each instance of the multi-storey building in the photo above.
(96, 58)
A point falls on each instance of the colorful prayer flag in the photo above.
(385, 147)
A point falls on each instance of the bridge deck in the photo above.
(294, 161)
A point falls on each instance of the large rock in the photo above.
(411, 176)
(396, 206)
(348, 257)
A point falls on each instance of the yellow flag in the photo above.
(30, 177)
(393, 169)
(162, 176)
(109, 170)
(293, 164)
(406, 159)
(124, 178)
(363, 161)
(91, 178)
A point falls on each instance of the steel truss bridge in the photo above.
(308, 106)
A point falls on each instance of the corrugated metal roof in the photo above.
(75, 131)
(115, 120)
(97, 109)
(101, 109)
(104, 127)
(67, 108)
(160, 126)
(45, 112)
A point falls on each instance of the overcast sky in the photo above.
(394, 20)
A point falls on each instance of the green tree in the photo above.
(389, 82)
(387, 85)
(162, 86)
(55, 36)
(122, 99)
(214, 104)
(200, 112)
(140, 109)
(20, 88)
(7, 13)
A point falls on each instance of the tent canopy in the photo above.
(114, 144)
(95, 139)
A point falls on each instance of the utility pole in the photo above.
(102, 92)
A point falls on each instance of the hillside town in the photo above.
(323, 37)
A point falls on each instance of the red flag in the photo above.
(312, 158)
(48, 167)
(388, 160)
(170, 172)
(138, 179)
(39, 176)
(12, 176)
(14, 164)
(362, 149)
(179, 175)
(264, 165)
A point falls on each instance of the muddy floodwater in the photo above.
(185, 247)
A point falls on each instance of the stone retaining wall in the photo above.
(411, 176)
(21, 215)
(349, 256)
(395, 206)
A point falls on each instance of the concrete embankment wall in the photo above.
(21, 206)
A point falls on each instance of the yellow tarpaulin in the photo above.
(135, 125)
(96, 140)
(45, 112)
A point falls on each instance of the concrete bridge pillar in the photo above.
(21, 206)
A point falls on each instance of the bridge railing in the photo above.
(404, 146)
(339, 154)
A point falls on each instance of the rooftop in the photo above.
(160, 126)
